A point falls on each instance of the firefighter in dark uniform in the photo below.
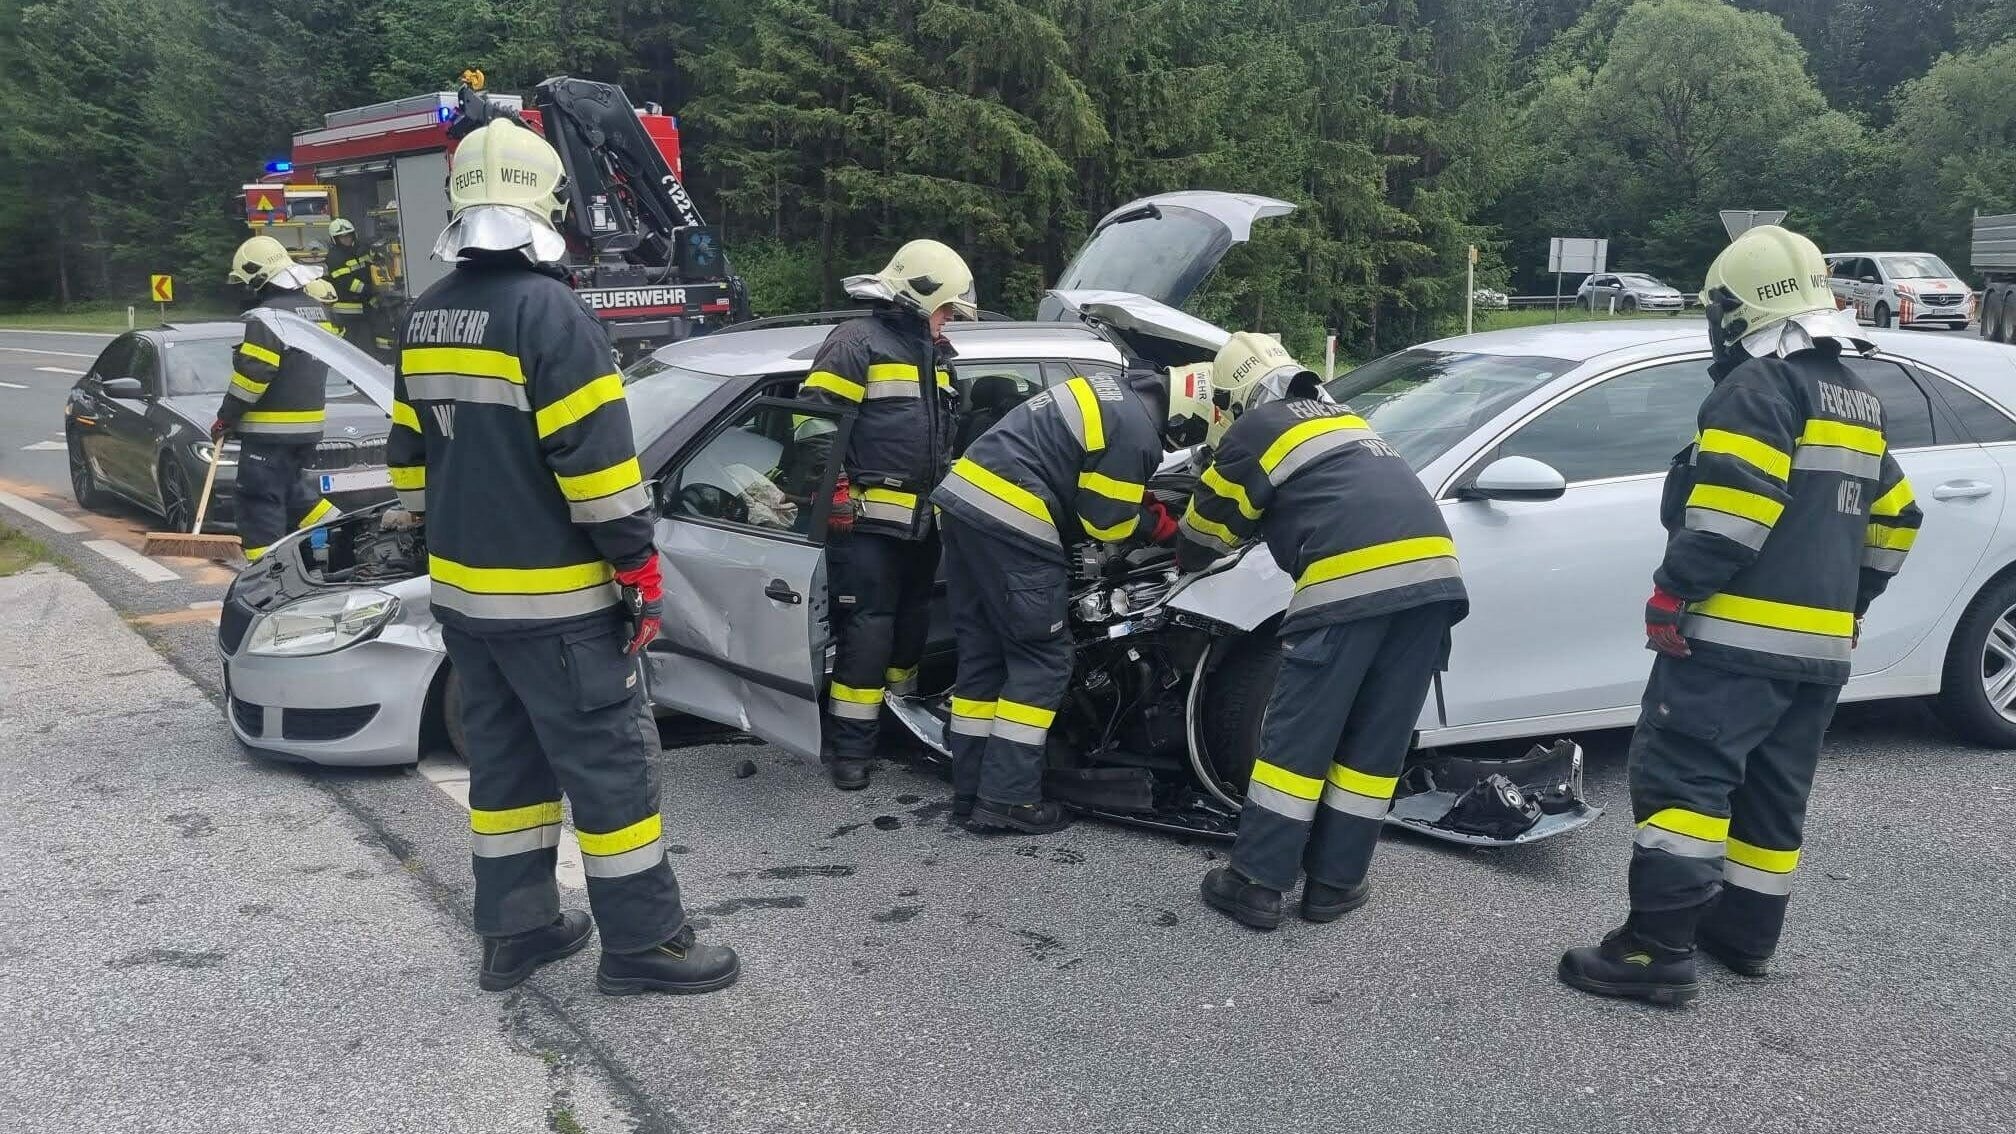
(1070, 464)
(891, 365)
(350, 275)
(1787, 517)
(511, 436)
(1376, 590)
(275, 401)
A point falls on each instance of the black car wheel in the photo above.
(83, 482)
(1882, 319)
(178, 499)
(1977, 692)
(1236, 693)
(1630, 305)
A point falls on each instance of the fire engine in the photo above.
(639, 253)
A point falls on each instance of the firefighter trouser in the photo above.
(561, 712)
(1721, 765)
(1008, 614)
(881, 588)
(1337, 731)
(275, 494)
(355, 325)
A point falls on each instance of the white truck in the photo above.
(1994, 258)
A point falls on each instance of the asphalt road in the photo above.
(903, 975)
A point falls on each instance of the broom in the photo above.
(194, 544)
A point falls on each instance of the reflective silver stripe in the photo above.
(1673, 842)
(1019, 733)
(972, 726)
(566, 604)
(1315, 447)
(1351, 803)
(1000, 510)
(1833, 458)
(1761, 881)
(1207, 539)
(243, 394)
(892, 388)
(466, 388)
(615, 506)
(882, 510)
(637, 860)
(1885, 559)
(1074, 414)
(853, 710)
(1765, 639)
(279, 428)
(1280, 802)
(1749, 533)
(1373, 581)
(414, 501)
(514, 842)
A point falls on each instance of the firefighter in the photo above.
(1070, 464)
(1376, 590)
(511, 438)
(1786, 518)
(275, 401)
(350, 275)
(892, 366)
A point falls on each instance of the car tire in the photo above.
(1964, 701)
(1995, 316)
(1628, 305)
(1882, 318)
(1235, 707)
(451, 715)
(84, 485)
(178, 498)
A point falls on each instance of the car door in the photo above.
(742, 531)
(94, 409)
(131, 439)
(1557, 587)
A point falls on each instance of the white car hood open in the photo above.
(371, 378)
(1163, 247)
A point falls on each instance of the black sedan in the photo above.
(137, 425)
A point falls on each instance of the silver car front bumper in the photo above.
(361, 706)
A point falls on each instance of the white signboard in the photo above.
(1740, 221)
(1578, 255)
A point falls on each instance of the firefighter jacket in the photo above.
(1069, 463)
(277, 391)
(350, 275)
(1342, 513)
(885, 365)
(510, 431)
(1786, 517)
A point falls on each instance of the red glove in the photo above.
(218, 428)
(1165, 524)
(1662, 624)
(643, 593)
(840, 518)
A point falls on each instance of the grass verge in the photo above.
(107, 319)
(18, 552)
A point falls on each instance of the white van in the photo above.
(1900, 289)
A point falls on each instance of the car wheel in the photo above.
(451, 715)
(1629, 305)
(1882, 319)
(1235, 701)
(178, 500)
(1977, 692)
(83, 482)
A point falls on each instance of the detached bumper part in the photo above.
(1494, 803)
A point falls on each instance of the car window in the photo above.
(1843, 268)
(1915, 267)
(765, 470)
(987, 391)
(142, 366)
(1984, 423)
(1907, 411)
(197, 366)
(1623, 426)
(1425, 401)
(659, 394)
(116, 361)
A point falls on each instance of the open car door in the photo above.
(742, 532)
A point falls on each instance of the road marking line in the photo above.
(55, 522)
(132, 560)
(453, 780)
(13, 385)
(44, 447)
(70, 334)
(58, 370)
(57, 353)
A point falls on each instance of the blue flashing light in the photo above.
(445, 113)
(279, 167)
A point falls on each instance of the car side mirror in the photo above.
(122, 388)
(1515, 478)
(1870, 279)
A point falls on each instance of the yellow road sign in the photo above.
(163, 287)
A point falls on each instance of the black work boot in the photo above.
(1044, 817)
(507, 961)
(681, 965)
(849, 775)
(1638, 961)
(1240, 898)
(1322, 902)
(1728, 955)
(962, 806)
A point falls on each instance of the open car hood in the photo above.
(1162, 247)
(1145, 327)
(372, 378)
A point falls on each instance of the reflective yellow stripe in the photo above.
(1112, 489)
(578, 405)
(628, 839)
(1088, 407)
(967, 707)
(1773, 461)
(472, 361)
(514, 819)
(1020, 713)
(1014, 495)
(1693, 824)
(896, 676)
(1283, 780)
(857, 696)
(879, 495)
(1315, 427)
(1122, 530)
(408, 478)
(284, 417)
(1736, 502)
(1353, 780)
(833, 383)
(243, 382)
(1893, 539)
(1216, 482)
(254, 350)
(1195, 519)
(944, 379)
(890, 372)
(1778, 615)
(402, 414)
(1378, 555)
(1893, 502)
(602, 482)
(1760, 858)
(252, 554)
(519, 580)
(1842, 435)
(316, 514)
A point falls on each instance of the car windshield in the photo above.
(660, 394)
(1916, 268)
(1425, 401)
(1640, 281)
(195, 367)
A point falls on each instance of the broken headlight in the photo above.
(321, 624)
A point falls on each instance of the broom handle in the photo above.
(209, 479)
